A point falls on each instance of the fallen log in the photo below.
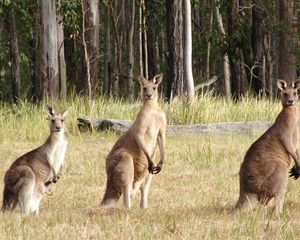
(101, 124)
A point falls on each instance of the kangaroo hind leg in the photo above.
(25, 193)
(38, 192)
(245, 202)
(145, 190)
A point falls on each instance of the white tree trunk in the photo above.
(188, 70)
(208, 48)
(141, 41)
(226, 65)
(90, 15)
(50, 74)
(61, 55)
(86, 54)
(145, 40)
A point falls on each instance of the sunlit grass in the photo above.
(189, 199)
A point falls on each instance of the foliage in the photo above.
(237, 36)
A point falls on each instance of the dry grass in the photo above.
(189, 199)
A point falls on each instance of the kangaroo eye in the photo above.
(52, 120)
(154, 88)
(62, 120)
(144, 89)
(285, 94)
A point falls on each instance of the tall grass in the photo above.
(206, 109)
(190, 198)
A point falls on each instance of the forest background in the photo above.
(52, 49)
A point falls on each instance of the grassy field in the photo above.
(189, 199)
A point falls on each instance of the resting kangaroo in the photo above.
(264, 171)
(129, 165)
(26, 180)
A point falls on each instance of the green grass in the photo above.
(189, 199)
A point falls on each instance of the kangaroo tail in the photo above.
(8, 200)
(112, 194)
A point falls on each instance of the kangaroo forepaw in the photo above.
(151, 167)
(294, 172)
(55, 178)
(154, 170)
(47, 183)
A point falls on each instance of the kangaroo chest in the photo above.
(56, 157)
(59, 156)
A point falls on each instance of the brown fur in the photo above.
(264, 171)
(26, 179)
(129, 162)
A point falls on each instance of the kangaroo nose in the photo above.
(57, 128)
(149, 95)
(291, 101)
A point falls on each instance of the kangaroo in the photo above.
(264, 171)
(26, 180)
(129, 164)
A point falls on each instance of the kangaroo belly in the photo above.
(59, 156)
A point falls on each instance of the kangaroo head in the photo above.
(289, 96)
(149, 87)
(56, 120)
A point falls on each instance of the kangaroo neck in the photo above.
(290, 109)
(54, 139)
(150, 103)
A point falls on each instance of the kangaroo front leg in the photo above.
(139, 137)
(161, 138)
(295, 170)
(288, 147)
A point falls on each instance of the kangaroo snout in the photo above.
(291, 102)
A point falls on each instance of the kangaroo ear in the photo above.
(157, 78)
(143, 80)
(281, 84)
(296, 84)
(66, 112)
(50, 110)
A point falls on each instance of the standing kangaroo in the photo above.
(264, 171)
(26, 180)
(129, 165)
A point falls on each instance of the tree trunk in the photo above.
(145, 40)
(188, 70)
(226, 65)
(33, 67)
(257, 46)
(130, 16)
(61, 55)
(107, 55)
(116, 13)
(141, 40)
(207, 71)
(90, 10)
(175, 57)
(151, 48)
(15, 57)
(287, 40)
(49, 65)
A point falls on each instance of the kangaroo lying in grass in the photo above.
(264, 171)
(129, 164)
(26, 180)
